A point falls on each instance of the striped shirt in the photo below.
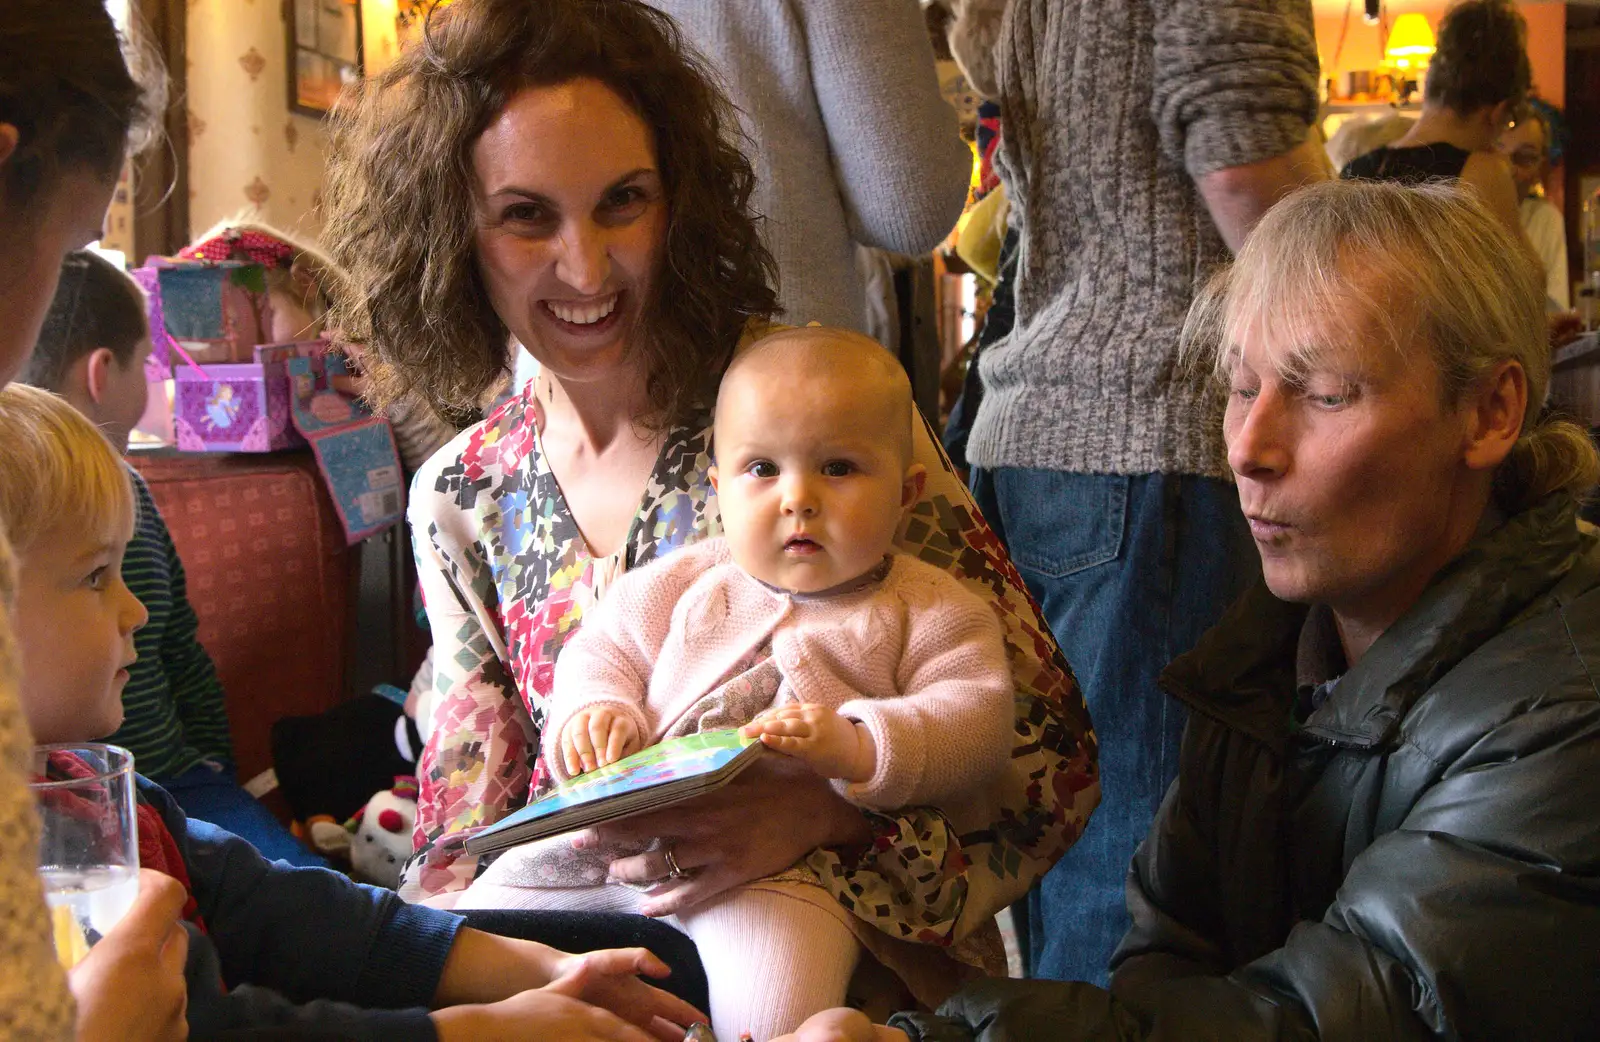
(173, 712)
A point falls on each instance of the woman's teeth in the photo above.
(582, 314)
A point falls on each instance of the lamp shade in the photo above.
(1410, 41)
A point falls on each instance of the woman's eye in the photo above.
(762, 469)
(837, 468)
(1246, 394)
(623, 198)
(1329, 401)
(523, 213)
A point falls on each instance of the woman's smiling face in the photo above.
(571, 225)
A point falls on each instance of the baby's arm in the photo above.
(595, 736)
(834, 746)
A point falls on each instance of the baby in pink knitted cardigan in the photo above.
(803, 625)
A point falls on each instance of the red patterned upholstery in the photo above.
(269, 577)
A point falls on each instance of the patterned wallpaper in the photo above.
(248, 154)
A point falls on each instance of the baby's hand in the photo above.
(834, 746)
(595, 737)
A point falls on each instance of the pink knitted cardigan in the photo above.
(916, 658)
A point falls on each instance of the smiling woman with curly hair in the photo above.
(565, 174)
(405, 206)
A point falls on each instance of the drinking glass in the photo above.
(89, 843)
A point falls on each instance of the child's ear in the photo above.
(711, 473)
(96, 372)
(911, 488)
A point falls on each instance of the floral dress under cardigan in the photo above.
(507, 578)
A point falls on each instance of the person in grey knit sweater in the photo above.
(851, 141)
(1143, 138)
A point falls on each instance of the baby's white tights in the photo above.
(772, 958)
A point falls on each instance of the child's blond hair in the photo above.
(57, 469)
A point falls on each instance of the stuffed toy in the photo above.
(381, 834)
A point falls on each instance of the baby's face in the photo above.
(811, 480)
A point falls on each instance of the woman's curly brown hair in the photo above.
(400, 200)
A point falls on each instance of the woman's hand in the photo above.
(773, 814)
(130, 987)
(552, 1012)
(842, 1025)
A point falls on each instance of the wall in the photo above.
(248, 155)
(1363, 44)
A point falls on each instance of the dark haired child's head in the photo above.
(67, 504)
(814, 467)
(93, 345)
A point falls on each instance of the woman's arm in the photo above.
(1489, 175)
(476, 765)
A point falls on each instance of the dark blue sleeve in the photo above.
(307, 933)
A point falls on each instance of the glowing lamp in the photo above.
(1410, 41)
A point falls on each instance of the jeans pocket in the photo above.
(1057, 524)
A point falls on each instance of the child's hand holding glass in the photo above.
(834, 746)
(597, 736)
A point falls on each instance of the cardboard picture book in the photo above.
(657, 777)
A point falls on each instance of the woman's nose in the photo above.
(585, 260)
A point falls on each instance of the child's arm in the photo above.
(609, 660)
(950, 732)
(595, 736)
(834, 746)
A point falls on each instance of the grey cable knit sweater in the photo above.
(1109, 109)
(850, 138)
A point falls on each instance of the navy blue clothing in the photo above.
(301, 948)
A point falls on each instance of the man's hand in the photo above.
(595, 737)
(771, 815)
(834, 746)
(130, 987)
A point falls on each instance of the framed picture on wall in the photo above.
(324, 52)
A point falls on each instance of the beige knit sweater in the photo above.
(1110, 109)
(34, 1002)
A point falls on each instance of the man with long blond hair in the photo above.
(1386, 824)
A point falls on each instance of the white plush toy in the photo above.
(382, 840)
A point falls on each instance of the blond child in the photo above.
(802, 626)
(271, 930)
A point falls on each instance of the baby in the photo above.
(803, 626)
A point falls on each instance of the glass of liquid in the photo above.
(89, 844)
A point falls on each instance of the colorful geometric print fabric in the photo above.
(507, 579)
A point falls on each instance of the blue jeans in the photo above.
(1130, 571)
(214, 796)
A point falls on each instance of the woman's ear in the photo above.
(911, 488)
(1496, 411)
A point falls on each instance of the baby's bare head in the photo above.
(845, 379)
